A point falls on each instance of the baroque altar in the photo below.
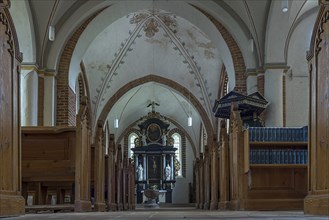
(154, 157)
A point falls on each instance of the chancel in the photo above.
(97, 100)
(154, 155)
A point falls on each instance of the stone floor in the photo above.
(173, 214)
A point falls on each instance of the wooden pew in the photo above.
(48, 164)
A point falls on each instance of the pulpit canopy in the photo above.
(248, 105)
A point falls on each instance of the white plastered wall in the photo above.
(297, 80)
(49, 101)
(180, 192)
(21, 15)
(273, 94)
(290, 50)
(29, 98)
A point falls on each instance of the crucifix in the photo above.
(153, 104)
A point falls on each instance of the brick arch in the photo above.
(65, 112)
(64, 116)
(126, 136)
(164, 81)
(238, 61)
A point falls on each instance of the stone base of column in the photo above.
(11, 205)
(111, 207)
(126, 206)
(99, 207)
(82, 206)
(200, 205)
(120, 207)
(234, 205)
(132, 206)
(213, 205)
(316, 204)
(206, 205)
(223, 205)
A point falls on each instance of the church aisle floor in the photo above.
(173, 214)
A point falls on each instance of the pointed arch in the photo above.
(161, 80)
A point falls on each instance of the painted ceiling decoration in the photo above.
(148, 23)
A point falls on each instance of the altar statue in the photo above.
(140, 172)
(168, 172)
(164, 138)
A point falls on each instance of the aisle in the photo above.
(172, 214)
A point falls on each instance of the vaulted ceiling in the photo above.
(174, 40)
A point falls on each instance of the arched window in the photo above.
(131, 144)
(178, 144)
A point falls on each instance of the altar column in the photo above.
(163, 168)
(144, 167)
(172, 167)
(136, 164)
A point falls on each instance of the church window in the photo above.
(131, 144)
(178, 144)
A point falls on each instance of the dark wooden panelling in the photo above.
(317, 201)
(48, 153)
(11, 201)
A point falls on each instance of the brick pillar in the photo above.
(64, 98)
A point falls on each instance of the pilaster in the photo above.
(274, 93)
(29, 84)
